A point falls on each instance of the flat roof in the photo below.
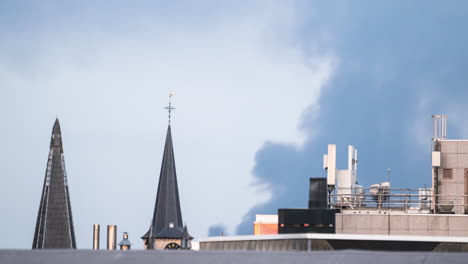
(338, 237)
(225, 257)
(452, 139)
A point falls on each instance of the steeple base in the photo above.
(162, 244)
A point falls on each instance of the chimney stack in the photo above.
(111, 237)
(96, 235)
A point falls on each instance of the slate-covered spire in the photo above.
(167, 217)
(186, 239)
(54, 226)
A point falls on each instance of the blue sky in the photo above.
(260, 89)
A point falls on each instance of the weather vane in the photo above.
(169, 108)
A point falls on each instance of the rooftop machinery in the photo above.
(343, 187)
(343, 182)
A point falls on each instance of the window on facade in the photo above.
(448, 174)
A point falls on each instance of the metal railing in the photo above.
(421, 200)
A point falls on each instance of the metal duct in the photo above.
(96, 236)
(111, 237)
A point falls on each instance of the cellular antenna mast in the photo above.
(169, 108)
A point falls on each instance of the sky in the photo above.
(260, 88)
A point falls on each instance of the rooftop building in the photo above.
(351, 216)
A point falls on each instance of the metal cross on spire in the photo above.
(169, 108)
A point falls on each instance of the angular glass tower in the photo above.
(54, 226)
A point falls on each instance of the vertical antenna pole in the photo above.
(439, 123)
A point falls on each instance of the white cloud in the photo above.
(235, 85)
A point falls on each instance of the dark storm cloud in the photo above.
(217, 230)
(400, 63)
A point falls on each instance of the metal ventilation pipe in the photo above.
(125, 243)
(96, 234)
(111, 237)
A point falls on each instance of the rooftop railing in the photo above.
(421, 200)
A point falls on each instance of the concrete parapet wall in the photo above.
(398, 224)
(258, 245)
(317, 241)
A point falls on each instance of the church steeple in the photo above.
(167, 222)
(54, 226)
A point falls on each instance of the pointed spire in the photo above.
(150, 238)
(56, 128)
(54, 226)
(186, 238)
(167, 217)
(56, 141)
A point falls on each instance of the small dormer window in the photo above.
(171, 224)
